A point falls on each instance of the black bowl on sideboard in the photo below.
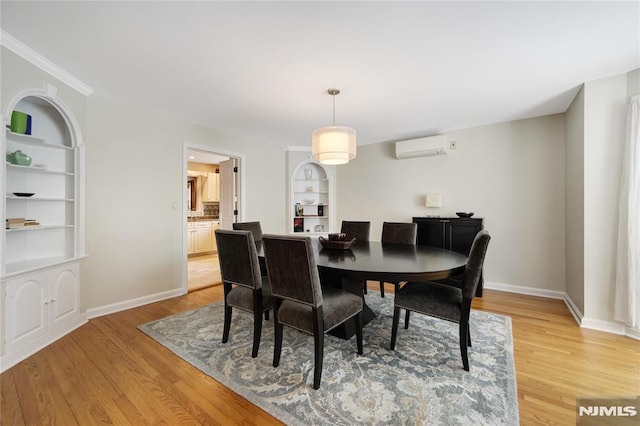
(464, 214)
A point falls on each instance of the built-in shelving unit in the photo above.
(40, 263)
(310, 195)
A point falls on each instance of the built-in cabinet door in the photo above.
(65, 295)
(26, 302)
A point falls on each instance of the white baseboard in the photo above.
(613, 327)
(601, 325)
(634, 333)
(531, 291)
(577, 315)
(133, 303)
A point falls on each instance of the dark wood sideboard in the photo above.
(451, 233)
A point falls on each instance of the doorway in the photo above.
(212, 200)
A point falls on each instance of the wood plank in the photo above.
(109, 372)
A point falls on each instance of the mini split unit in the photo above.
(422, 147)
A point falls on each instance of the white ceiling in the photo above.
(405, 69)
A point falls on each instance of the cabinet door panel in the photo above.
(25, 308)
(202, 240)
(431, 232)
(64, 300)
(461, 235)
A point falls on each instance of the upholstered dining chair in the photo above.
(398, 233)
(356, 229)
(254, 227)
(300, 302)
(444, 301)
(244, 286)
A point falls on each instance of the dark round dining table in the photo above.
(371, 260)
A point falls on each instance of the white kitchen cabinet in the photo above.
(40, 264)
(211, 188)
(200, 238)
(214, 243)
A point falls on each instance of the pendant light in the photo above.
(333, 145)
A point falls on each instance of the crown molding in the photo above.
(30, 55)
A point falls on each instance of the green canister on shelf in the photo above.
(20, 122)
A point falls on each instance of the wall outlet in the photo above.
(453, 145)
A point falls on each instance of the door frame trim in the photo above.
(242, 164)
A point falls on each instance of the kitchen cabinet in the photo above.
(40, 262)
(211, 188)
(451, 233)
(201, 237)
(310, 194)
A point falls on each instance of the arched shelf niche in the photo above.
(311, 198)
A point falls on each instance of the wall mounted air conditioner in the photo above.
(431, 145)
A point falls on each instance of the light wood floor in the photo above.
(109, 372)
(204, 271)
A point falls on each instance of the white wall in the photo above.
(134, 179)
(511, 174)
(574, 220)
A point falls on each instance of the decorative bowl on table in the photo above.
(337, 241)
(464, 214)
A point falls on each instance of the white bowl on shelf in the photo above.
(309, 201)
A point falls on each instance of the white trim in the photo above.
(30, 55)
(299, 148)
(540, 292)
(584, 322)
(10, 359)
(577, 315)
(633, 333)
(600, 325)
(186, 146)
(133, 303)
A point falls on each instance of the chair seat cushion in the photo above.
(242, 297)
(337, 306)
(434, 299)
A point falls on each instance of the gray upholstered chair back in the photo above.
(236, 249)
(399, 233)
(473, 270)
(292, 268)
(254, 227)
(356, 229)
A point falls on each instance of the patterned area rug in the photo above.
(421, 382)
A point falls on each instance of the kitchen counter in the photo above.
(201, 218)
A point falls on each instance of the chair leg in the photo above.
(406, 319)
(382, 288)
(468, 335)
(257, 332)
(394, 327)
(227, 323)
(266, 315)
(358, 321)
(464, 336)
(365, 287)
(318, 340)
(277, 347)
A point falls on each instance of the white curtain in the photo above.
(627, 303)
